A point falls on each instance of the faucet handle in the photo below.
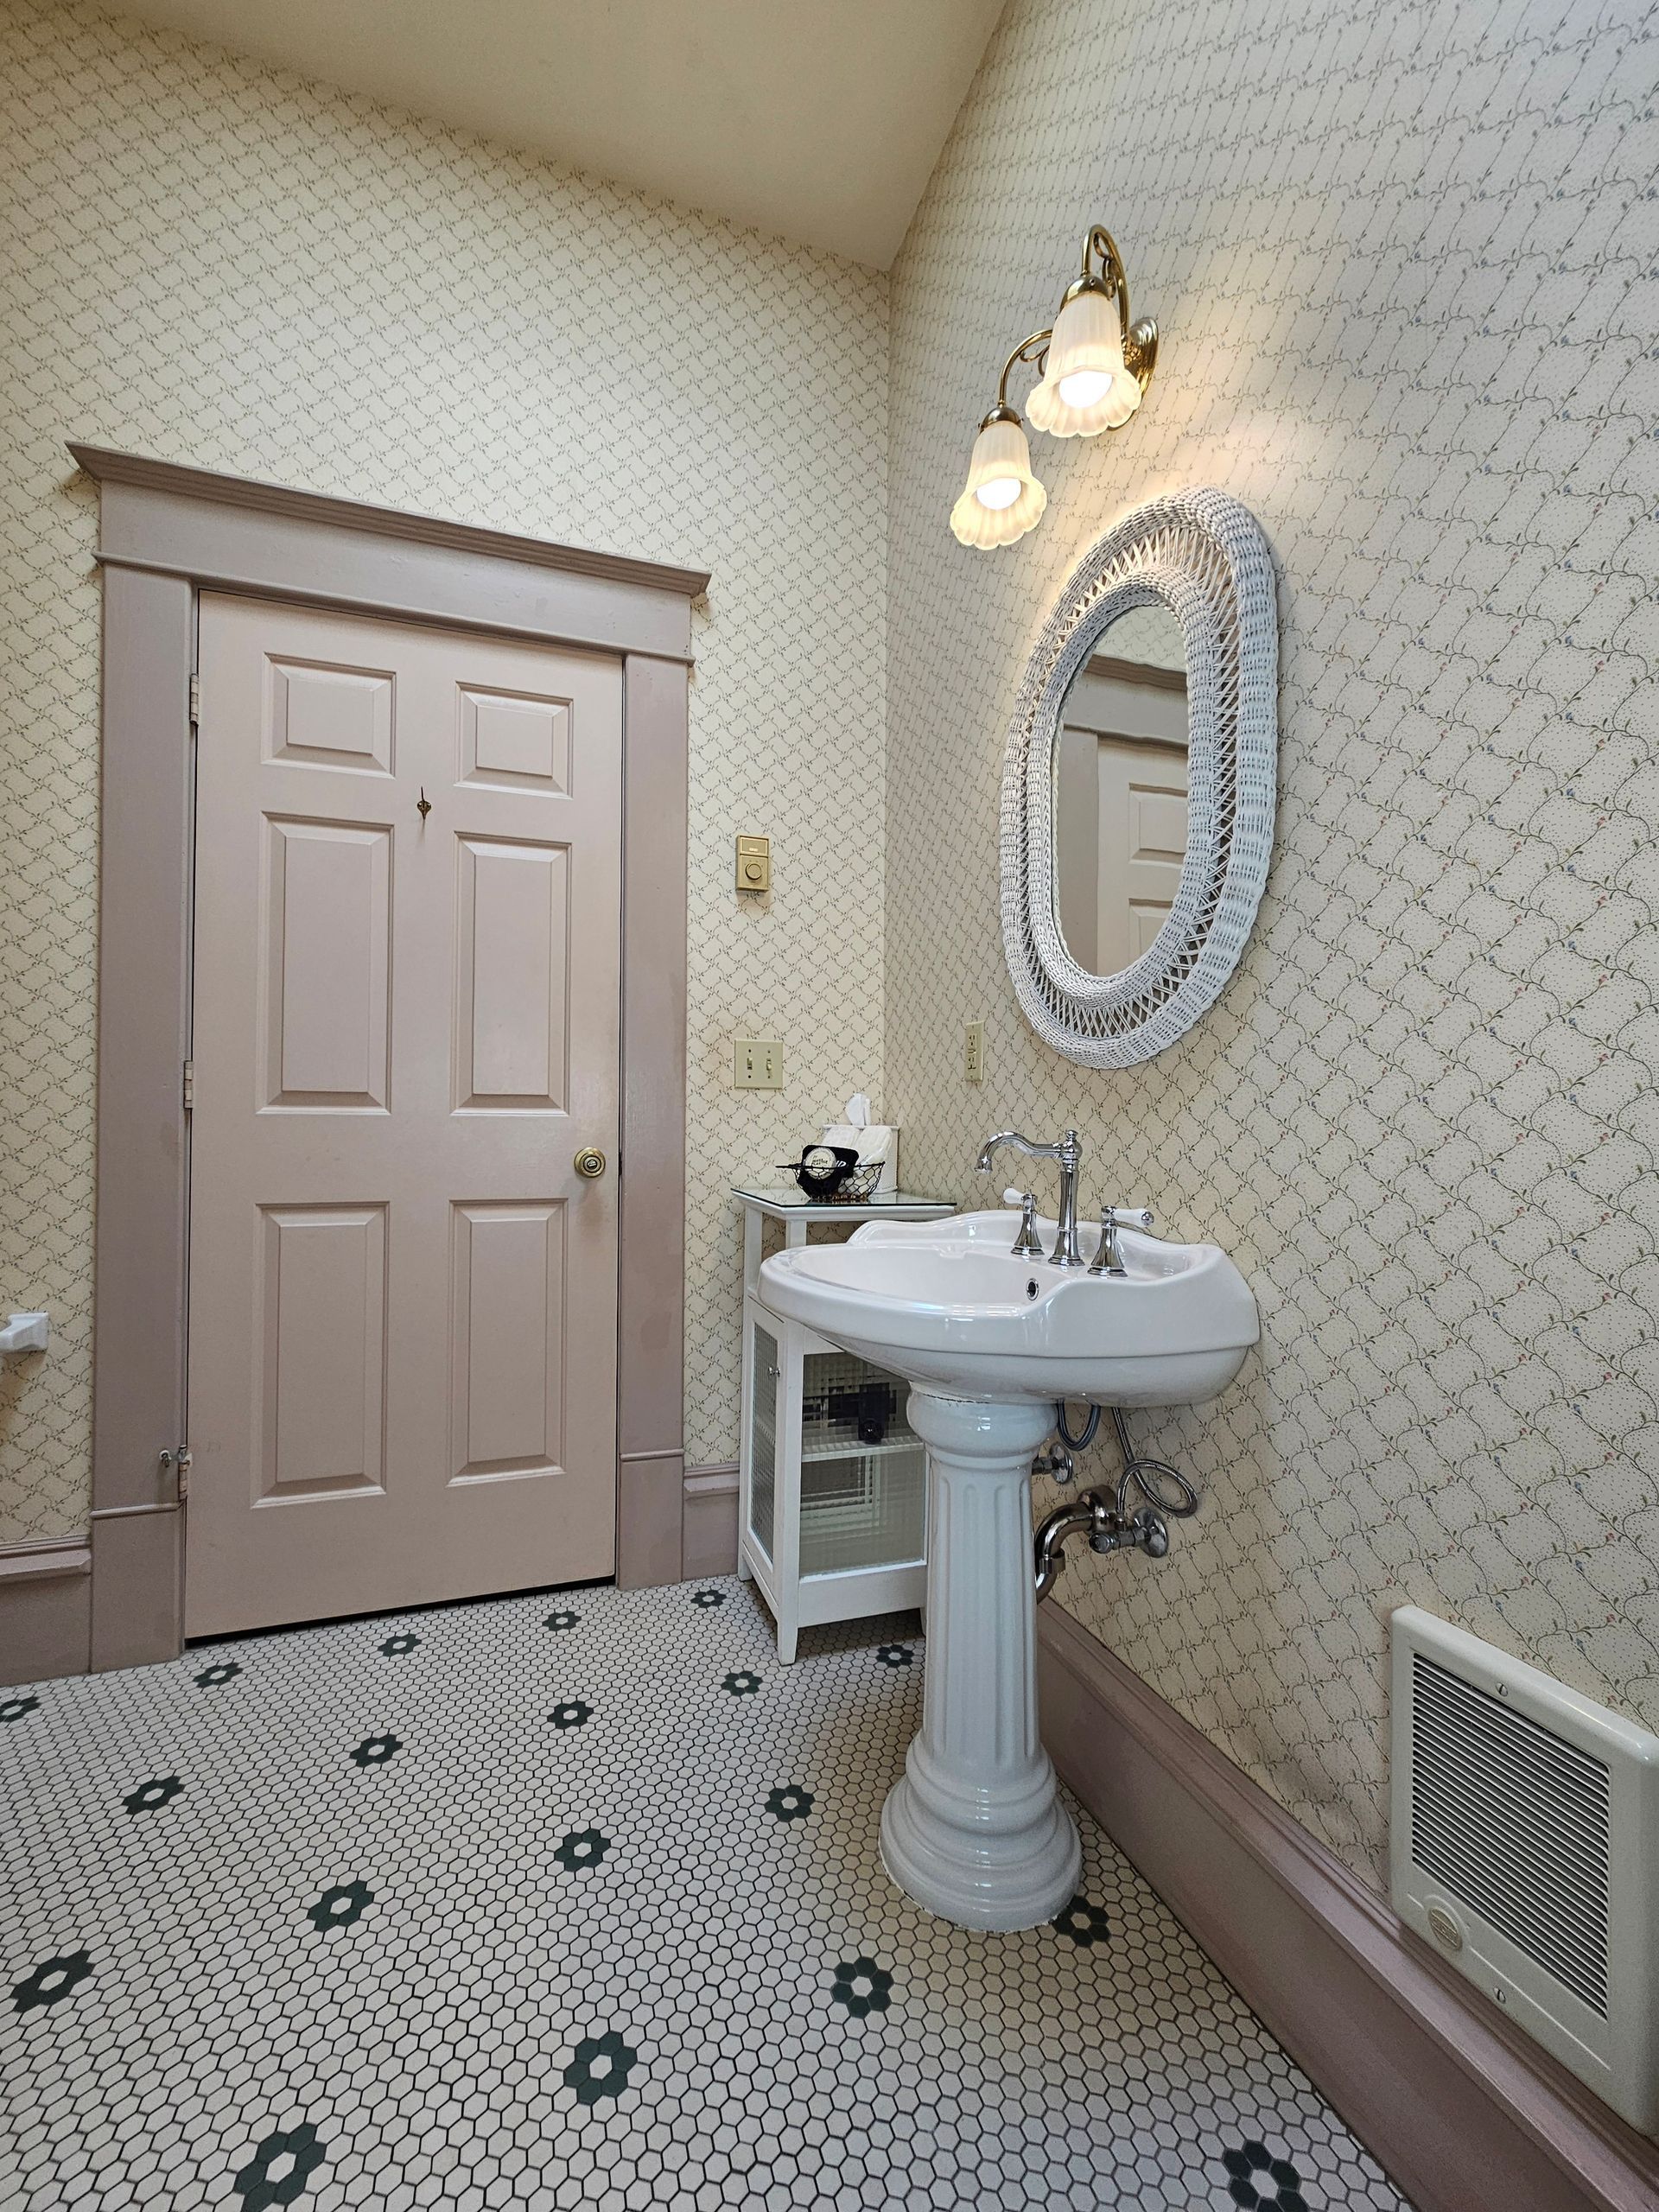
(1109, 1259)
(1027, 1245)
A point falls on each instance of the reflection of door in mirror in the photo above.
(1119, 794)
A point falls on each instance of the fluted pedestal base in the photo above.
(975, 1831)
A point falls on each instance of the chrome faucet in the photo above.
(1068, 1151)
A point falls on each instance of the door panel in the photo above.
(329, 717)
(1143, 799)
(405, 1027)
(512, 966)
(508, 1385)
(519, 744)
(327, 930)
(322, 1331)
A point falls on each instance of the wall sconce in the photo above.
(1095, 365)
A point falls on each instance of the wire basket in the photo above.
(857, 1190)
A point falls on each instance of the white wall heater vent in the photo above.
(1526, 1849)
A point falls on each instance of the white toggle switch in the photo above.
(24, 1332)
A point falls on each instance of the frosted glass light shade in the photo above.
(1002, 499)
(1085, 386)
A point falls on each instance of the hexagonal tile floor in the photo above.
(574, 1900)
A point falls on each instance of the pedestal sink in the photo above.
(988, 1341)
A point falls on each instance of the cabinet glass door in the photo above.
(763, 1437)
(863, 1469)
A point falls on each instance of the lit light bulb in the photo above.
(1084, 386)
(1000, 491)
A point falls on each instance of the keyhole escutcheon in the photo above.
(423, 805)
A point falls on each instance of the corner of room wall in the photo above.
(1419, 1116)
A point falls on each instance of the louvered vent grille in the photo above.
(1514, 1821)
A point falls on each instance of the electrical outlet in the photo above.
(973, 1053)
(757, 1063)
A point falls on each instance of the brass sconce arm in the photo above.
(1140, 339)
(1034, 349)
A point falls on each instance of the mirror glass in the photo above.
(1120, 792)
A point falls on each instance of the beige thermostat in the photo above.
(754, 865)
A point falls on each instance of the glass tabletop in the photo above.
(787, 1197)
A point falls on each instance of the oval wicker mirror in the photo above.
(1175, 809)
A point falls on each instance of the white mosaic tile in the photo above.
(575, 1900)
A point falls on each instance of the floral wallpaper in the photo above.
(1402, 264)
(208, 261)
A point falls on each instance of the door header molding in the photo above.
(109, 466)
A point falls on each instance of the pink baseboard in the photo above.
(710, 1537)
(1464, 2113)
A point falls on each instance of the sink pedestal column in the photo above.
(975, 1831)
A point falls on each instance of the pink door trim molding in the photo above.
(166, 533)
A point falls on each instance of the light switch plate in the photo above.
(973, 1053)
(753, 867)
(757, 1063)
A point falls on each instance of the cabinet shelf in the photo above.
(844, 1444)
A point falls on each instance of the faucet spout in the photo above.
(1067, 1150)
(988, 1151)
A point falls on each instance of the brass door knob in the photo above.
(590, 1163)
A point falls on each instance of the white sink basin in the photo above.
(946, 1304)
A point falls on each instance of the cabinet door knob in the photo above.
(590, 1163)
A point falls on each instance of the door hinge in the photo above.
(178, 1464)
(189, 1084)
(195, 701)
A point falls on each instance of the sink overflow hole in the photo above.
(1030, 1287)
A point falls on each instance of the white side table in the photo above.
(832, 1496)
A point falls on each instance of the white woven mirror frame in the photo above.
(1200, 554)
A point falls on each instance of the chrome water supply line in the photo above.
(1108, 1523)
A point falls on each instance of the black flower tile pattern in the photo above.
(18, 1708)
(396, 1646)
(340, 1906)
(150, 1795)
(744, 1683)
(896, 1655)
(791, 1803)
(213, 1677)
(51, 1981)
(707, 1600)
(561, 1621)
(375, 1750)
(1258, 2179)
(279, 2170)
(1084, 1923)
(600, 2067)
(582, 1847)
(862, 1986)
(432, 1967)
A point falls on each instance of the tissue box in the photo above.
(877, 1141)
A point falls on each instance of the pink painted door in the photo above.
(403, 1296)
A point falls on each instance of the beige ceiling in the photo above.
(818, 119)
